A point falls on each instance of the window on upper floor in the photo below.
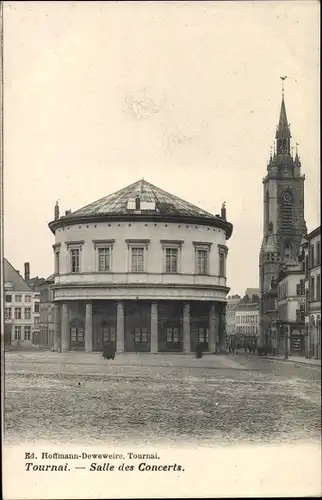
(318, 253)
(8, 298)
(312, 288)
(222, 266)
(75, 260)
(318, 287)
(37, 307)
(18, 298)
(7, 313)
(137, 259)
(18, 313)
(104, 259)
(171, 260)
(27, 298)
(202, 251)
(311, 263)
(27, 313)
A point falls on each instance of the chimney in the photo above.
(68, 212)
(27, 271)
(223, 211)
(56, 211)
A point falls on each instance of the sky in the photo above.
(187, 95)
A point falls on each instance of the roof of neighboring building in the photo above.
(154, 203)
(253, 306)
(313, 233)
(252, 291)
(11, 275)
(35, 282)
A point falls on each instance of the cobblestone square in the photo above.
(148, 399)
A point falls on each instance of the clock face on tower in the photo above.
(287, 197)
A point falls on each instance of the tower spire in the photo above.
(283, 133)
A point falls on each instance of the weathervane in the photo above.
(283, 78)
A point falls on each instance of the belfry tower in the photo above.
(283, 224)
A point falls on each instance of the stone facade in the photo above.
(142, 269)
(283, 224)
(311, 258)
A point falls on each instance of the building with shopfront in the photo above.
(311, 255)
(232, 303)
(143, 269)
(290, 325)
(247, 318)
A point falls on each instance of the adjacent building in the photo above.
(311, 248)
(19, 308)
(283, 221)
(46, 325)
(232, 303)
(289, 332)
(247, 318)
(143, 269)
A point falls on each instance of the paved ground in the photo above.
(143, 398)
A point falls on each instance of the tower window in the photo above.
(287, 210)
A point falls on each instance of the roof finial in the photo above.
(296, 148)
(283, 78)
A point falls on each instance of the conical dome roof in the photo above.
(152, 199)
(142, 201)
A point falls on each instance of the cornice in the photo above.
(215, 222)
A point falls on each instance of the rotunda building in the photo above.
(143, 269)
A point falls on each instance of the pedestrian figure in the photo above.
(109, 350)
(199, 350)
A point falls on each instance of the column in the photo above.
(120, 327)
(186, 327)
(212, 329)
(64, 328)
(154, 328)
(88, 327)
(57, 327)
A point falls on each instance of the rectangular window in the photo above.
(298, 289)
(104, 259)
(302, 313)
(17, 333)
(306, 266)
(312, 291)
(318, 287)
(222, 263)
(298, 315)
(171, 260)
(37, 305)
(27, 313)
(74, 255)
(202, 261)
(312, 256)
(27, 332)
(7, 313)
(36, 322)
(18, 313)
(18, 298)
(27, 298)
(318, 253)
(137, 260)
(57, 260)
(302, 287)
(8, 298)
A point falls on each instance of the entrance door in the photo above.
(141, 338)
(108, 334)
(77, 336)
(202, 337)
(173, 342)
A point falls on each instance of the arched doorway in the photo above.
(77, 341)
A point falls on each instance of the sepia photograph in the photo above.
(160, 249)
